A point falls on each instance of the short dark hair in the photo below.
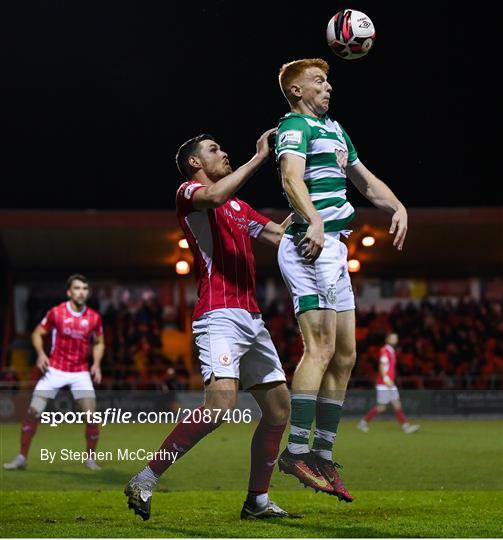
(75, 277)
(189, 148)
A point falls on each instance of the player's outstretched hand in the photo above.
(286, 222)
(96, 373)
(43, 363)
(271, 141)
(399, 224)
(263, 147)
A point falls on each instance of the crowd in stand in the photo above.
(134, 355)
(442, 345)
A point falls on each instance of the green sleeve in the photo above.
(352, 155)
(292, 136)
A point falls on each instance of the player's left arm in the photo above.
(273, 232)
(98, 351)
(380, 195)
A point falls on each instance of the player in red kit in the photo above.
(387, 391)
(232, 341)
(74, 329)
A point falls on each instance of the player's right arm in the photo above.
(291, 147)
(384, 368)
(37, 338)
(219, 192)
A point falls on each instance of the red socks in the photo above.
(184, 436)
(371, 414)
(400, 415)
(264, 451)
(30, 425)
(28, 430)
(92, 436)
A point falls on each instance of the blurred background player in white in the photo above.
(74, 328)
(232, 341)
(387, 391)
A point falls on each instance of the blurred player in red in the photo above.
(232, 340)
(387, 392)
(74, 328)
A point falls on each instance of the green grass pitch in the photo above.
(444, 481)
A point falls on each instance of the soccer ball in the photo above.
(350, 34)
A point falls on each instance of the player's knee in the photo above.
(320, 344)
(221, 403)
(87, 405)
(33, 413)
(280, 414)
(37, 407)
(277, 416)
(321, 352)
(347, 360)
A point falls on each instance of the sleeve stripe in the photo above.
(255, 228)
(287, 151)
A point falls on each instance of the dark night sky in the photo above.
(96, 97)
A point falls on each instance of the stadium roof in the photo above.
(448, 242)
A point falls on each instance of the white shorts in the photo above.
(324, 284)
(80, 384)
(386, 394)
(235, 344)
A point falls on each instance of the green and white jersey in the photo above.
(327, 150)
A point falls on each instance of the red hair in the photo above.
(291, 71)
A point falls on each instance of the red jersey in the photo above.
(220, 240)
(387, 359)
(72, 332)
